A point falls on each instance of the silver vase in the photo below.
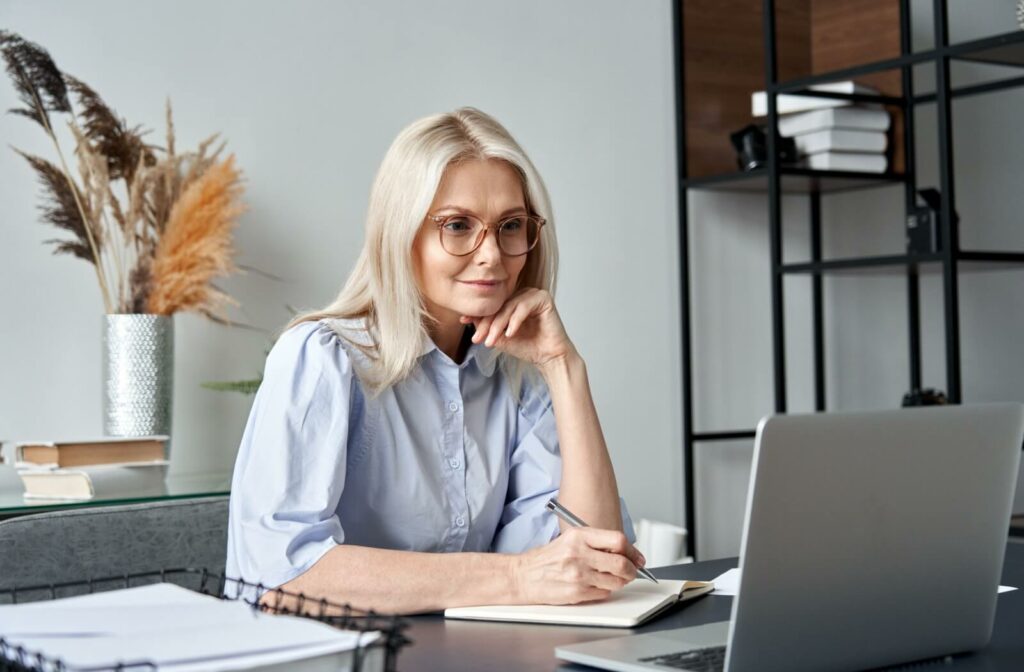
(138, 368)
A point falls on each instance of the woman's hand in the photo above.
(582, 564)
(527, 327)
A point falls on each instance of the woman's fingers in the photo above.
(481, 329)
(613, 565)
(512, 316)
(516, 319)
(612, 541)
(497, 326)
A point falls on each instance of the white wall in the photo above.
(309, 95)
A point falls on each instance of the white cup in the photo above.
(661, 543)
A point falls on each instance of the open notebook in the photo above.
(637, 603)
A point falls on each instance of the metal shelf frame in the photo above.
(776, 179)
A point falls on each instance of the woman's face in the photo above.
(479, 283)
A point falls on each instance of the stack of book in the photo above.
(830, 133)
(84, 469)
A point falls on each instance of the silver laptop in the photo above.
(870, 539)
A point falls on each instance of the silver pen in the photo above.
(568, 516)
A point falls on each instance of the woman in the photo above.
(403, 444)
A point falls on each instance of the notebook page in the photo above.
(269, 639)
(623, 608)
(171, 626)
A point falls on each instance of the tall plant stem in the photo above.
(97, 259)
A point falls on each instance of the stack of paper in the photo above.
(177, 629)
(831, 133)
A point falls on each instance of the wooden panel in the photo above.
(853, 32)
(722, 48)
(724, 62)
(724, 56)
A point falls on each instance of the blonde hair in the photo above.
(381, 290)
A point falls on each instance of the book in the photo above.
(175, 628)
(106, 450)
(852, 161)
(636, 604)
(786, 103)
(10, 484)
(91, 481)
(853, 117)
(840, 140)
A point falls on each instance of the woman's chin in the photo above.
(481, 307)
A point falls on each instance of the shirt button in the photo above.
(455, 463)
(452, 406)
(460, 521)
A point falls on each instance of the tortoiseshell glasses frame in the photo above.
(456, 241)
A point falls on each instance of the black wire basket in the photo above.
(15, 658)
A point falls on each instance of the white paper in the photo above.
(728, 584)
(170, 626)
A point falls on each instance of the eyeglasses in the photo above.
(462, 235)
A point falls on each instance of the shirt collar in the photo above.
(486, 358)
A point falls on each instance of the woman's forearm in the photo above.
(588, 486)
(407, 582)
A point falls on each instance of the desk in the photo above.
(476, 645)
(176, 487)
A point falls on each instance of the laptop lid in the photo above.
(873, 538)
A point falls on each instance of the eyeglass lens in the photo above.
(461, 234)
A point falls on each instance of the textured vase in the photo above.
(138, 370)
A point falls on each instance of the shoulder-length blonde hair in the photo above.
(382, 290)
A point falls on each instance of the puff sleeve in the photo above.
(290, 469)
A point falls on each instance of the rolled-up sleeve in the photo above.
(535, 470)
(290, 469)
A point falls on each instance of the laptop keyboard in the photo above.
(711, 659)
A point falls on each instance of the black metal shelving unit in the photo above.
(1006, 49)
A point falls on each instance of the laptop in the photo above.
(869, 539)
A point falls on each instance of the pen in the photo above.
(568, 516)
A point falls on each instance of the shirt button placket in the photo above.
(453, 448)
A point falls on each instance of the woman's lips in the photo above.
(482, 285)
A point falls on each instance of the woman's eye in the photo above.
(512, 225)
(457, 226)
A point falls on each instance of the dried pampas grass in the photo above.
(155, 223)
(196, 245)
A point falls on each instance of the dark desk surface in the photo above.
(477, 645)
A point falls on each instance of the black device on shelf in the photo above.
(926, 397)
(936, 241)
(751, 145)
(924, 235)
(15, 658)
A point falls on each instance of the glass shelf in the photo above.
(13, 503)
(794, 181)
(967, 261)
(1004, 49)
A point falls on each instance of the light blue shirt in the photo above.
(445, 460)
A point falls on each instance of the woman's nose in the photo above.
(489, 251)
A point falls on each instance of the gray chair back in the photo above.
(102, 541)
